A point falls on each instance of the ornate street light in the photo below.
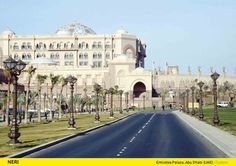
(72, 80)
(193, 110)
(15, 68)
(214, 77)
(97, 88)
(187, 101)
(201, 116)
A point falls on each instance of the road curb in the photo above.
(223, 147)
(46, 145)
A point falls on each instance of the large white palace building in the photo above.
(106, 59)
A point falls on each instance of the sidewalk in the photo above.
(221, 139)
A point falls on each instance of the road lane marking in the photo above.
(132, 139)
(118, 155)
(140, 131)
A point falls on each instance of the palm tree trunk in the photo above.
(50, 112)
(39, 106)
(60, 104)
(27, 102)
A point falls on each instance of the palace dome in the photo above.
(75, 29)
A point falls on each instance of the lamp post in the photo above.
(15, 68)
(214, 77)
(72, 80)
(201, 116)
(187, 101)
(97, 88)
(193, 110)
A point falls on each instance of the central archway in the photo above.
(138, 89)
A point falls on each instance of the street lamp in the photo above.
(193, 110)
(187, 101)
(72, 80)
(201, 116)
(15, 68)
(97, 88)
(214, 77)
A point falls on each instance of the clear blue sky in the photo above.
(181, 32)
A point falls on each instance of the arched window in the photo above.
(72, 45)
(107, 55)
(51, 46)
(99, 44)
(15, 46)
(28, 56)
(95, 55)
(29, 46)
(94, 45)
(86, 55)
(87, 46)
(24, 56)
(99, 56)
(38, 55)
(80, 45)
(23, 46)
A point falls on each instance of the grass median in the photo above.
(227, 118)
(34, 134)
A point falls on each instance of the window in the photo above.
(23, 56)
(95, 55)
(15, 46)
(16, 56)
(69, 63)
(97, 64)
(108, 44)
(85, 63)
(28, 56)
(107, 55)
(99, 55)
(68, 56)
(94, 45)
(51, 46)
(99, 44)
(29, 46)
(23, 46)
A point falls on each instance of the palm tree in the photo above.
(111, 91)
(64, 82)
(103, 93)
(41, 79)
(120, 93)
(127, 101)
(31, 71)
(116, 87)
(54, 80)
(205, 89)
(3, 103)
(226, 88)
(7, 74)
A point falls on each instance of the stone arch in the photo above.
(139, 88)
(129, 50)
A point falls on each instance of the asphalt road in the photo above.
(144, 135)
